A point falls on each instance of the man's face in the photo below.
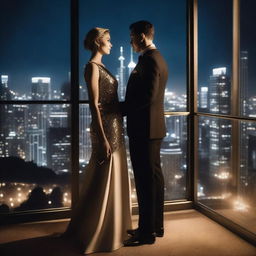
(135, 41)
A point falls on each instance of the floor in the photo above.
(187, 233)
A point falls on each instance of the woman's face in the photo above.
(105, 45)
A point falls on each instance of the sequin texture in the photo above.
(110, 113)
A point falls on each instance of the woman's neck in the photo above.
(96, 57)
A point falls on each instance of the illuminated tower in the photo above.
(121, 75)
(5, 92)
(4, 80)
(220, 129)
(220, 91)
(247, 130)
(38, 121)
(244, 83)
(203, 97)
(132, 64)
(41, 88)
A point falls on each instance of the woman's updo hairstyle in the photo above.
(92, 38)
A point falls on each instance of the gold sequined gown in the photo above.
(102, 216)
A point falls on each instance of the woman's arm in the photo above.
(92, 79)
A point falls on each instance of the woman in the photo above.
(102, 216)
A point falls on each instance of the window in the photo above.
(226, 137)
(170, 39)
(35, 132)
(247, 59)
(214, 56)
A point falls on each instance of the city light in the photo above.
(41, 80)
(200, 191)
(222, 175)
(219, 71)
(36, 132)
(240, 206)
(177, 176)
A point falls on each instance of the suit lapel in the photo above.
(132, 81)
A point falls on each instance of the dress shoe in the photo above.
(132, 232)
(139, 239)
(158, 233)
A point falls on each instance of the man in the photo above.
(144, 107)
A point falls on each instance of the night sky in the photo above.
(35, 37)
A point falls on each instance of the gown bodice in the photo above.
(112, 120)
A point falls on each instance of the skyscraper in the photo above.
(58, 149)
(203, 98)
(38, 121)
(84, 135)
(220, 129)
(219, 90)
(173, 157)
(131, 64)
(247, 129)
(121, 76)
(4, 80)
(41, 88)
(5, 93)
(244, 83)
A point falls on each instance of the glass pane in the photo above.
(174, 158)
(35, 51)
(243, 211)
(173, 154)
(247, 58)
(219, 187)
(170, 39)
(215, 56)
(84, 136)
(215, 174)
(34, 157)
(86, 147)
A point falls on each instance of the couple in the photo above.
(102, 218)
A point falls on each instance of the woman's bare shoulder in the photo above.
(91, 70)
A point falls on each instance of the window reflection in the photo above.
(219, 187)
(215, 174)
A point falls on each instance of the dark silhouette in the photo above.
(4, 208)
(15, 169)
(37, 200)
(56, 197)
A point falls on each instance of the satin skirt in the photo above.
(103, 213)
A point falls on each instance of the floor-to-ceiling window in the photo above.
(169, 19)
(35, 110)
(226, 110)
(35, 91)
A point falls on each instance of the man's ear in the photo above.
(142, 37)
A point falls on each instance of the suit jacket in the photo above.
(144, 100)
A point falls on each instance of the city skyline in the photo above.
(39, 136)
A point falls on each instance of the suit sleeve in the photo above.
(123, 108)
(150, 84)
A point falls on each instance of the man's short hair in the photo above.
(144, 27)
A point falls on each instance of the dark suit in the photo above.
(144, 107)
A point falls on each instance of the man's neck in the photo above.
(148, 47)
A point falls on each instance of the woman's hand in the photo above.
(104, 152)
